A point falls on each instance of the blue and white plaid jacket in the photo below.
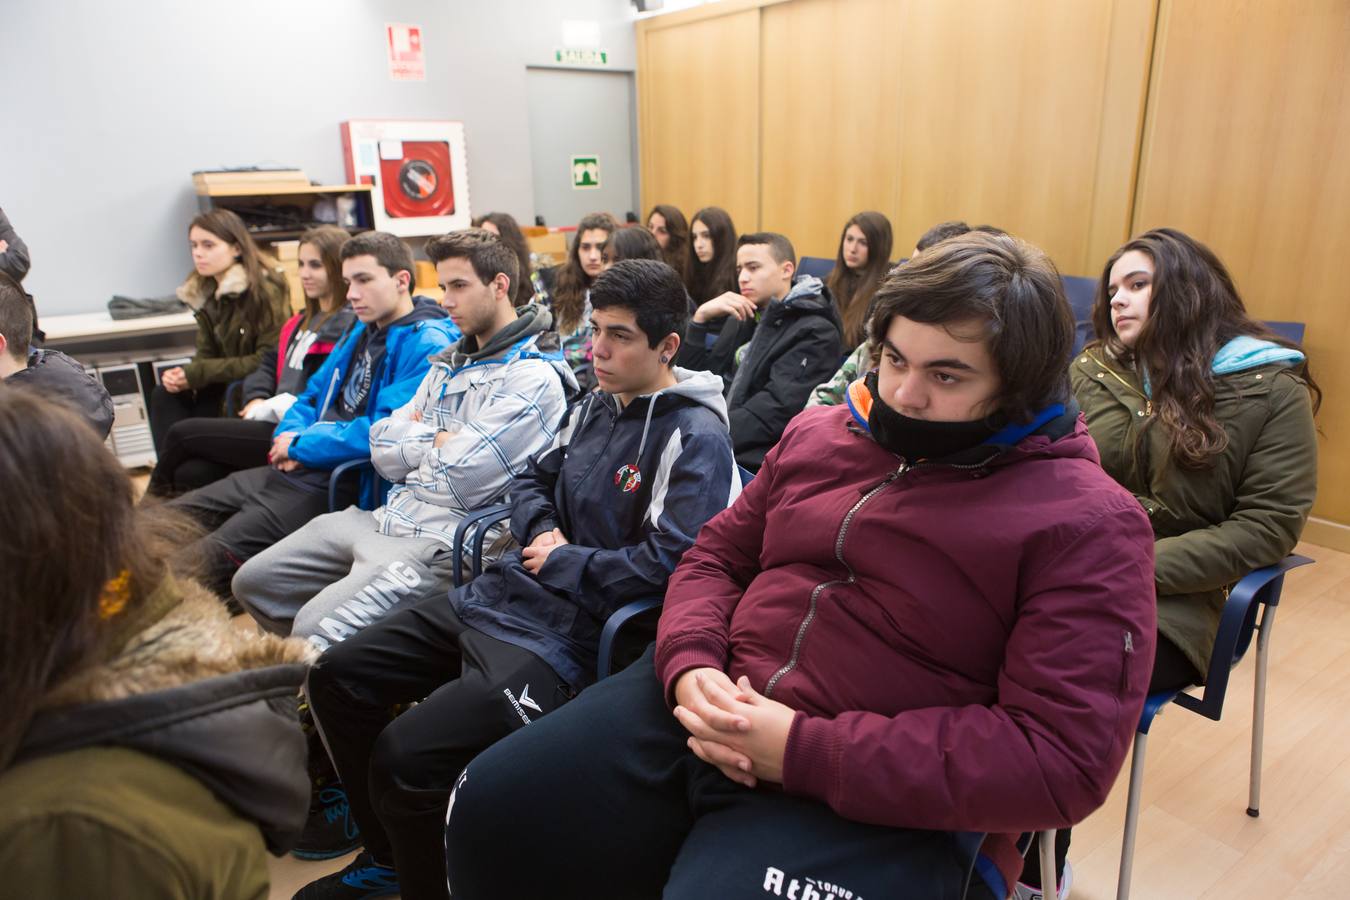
(501, 405)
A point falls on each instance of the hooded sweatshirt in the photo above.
(629, 488)
(372, 372)
(52, 373)
(300, 351)
(966, 642)
(170, 766)
(501, 404)
(772, 364)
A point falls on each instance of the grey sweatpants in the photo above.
(336, 575)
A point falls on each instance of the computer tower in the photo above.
(130, 439)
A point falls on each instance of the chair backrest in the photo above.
(1290, 331)
(1080, 292)
(1237, 623)
(818, 266)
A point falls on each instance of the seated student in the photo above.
(667, 225)
(490, 402)
(566, 290)
(504, 226)
(712, 254)
(882, 641)
(638, 469)
(375, 370)
(1206, 416)
(136, 718)
(631, 243)
(770, 343)
(47, 372)
(202, 450)
(240, 300)
(831, 392)
(862, 263)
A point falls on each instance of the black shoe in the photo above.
(330, 831)
(361, 879)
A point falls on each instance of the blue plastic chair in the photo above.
(1290, 331)
(1259, 590)
(470, 535)
(1080, 293)
(350, 467)
(818, 266)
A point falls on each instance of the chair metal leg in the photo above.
(1259, 709)
(1049, 882)
(1131, 815)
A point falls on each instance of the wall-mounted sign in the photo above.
(407, 62)
(585, 172)
(575, 57)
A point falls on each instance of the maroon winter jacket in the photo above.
(968, 648)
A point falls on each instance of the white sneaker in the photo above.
(1027, 892)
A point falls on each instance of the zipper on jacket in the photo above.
(820, 588)
(1148, 402)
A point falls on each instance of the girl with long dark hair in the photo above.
(1206, 416)
(712, 264)
(667, 225)
(861, 264)
(566, 290)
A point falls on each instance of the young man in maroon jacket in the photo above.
(931, 612)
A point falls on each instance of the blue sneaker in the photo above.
(361, 879)
(330, 831)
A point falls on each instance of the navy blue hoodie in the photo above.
(629, 488)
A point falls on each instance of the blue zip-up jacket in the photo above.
(629, 489)
(407, 356)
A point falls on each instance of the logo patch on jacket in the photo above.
(628, 479)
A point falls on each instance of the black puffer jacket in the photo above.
(55, 375)
(794, 345)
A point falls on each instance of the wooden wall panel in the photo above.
(1002, 107)
(698, 88)
(1247, 148)
(831, 119)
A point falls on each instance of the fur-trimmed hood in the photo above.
(214, 700)
(198, 289)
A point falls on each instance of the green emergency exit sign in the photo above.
(585, 172)
(574, 57)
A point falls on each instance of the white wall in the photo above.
(107, 107)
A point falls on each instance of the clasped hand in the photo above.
(537, 552)
(732, 726)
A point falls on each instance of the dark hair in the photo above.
(780, 248)
(388, 251)
(853, 290)
(328, 241)
(676, 251)
(652, 290)
(521, 288)
(57, 469)
(16, 317)
(1008, 286)
(259, 267)
(941, 232)
(634, 242)
(488, 254)
(569, 292)
(1194, 309)
(718, 275)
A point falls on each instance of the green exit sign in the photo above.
(581, 57)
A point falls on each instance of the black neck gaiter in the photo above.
(919, 439)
